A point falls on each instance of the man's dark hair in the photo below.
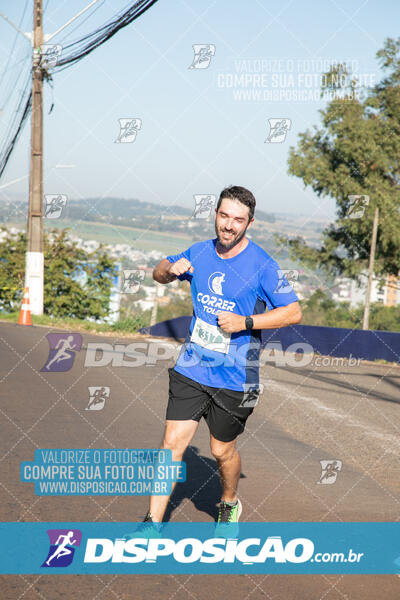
(236, 192)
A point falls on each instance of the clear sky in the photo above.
(199, 131)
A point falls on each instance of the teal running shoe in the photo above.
(228, 520)
(148, 529)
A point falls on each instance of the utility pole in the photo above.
(34, 266)
(153, 316)
(34, 273)
(371, 269)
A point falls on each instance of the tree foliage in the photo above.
(322, 311)
(76, 283)
(355, 152)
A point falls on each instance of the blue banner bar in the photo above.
(292, 548)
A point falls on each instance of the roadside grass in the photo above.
(129, 325)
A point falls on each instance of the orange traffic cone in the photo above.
(25, 312)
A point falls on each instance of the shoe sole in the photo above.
(240, 507)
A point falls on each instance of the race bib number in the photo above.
(210, 336)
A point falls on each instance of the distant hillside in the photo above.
(110, 210)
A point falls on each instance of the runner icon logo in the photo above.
(62, 547)
(357, 205)
(203, 54)
(330, 470)
(62, 351)
(204, 204)
(49, 55)
(128, 130)
(215, 282)
(278, 129)
(286, 280)
(54, 204)
(252, 393)
(97, 397)
(131, 281)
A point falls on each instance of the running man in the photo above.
(99, 396)
(62, 346)
(62, 549)
(233, 281)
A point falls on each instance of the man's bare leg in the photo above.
(229, 466)
(177, 437)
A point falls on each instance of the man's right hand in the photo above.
(180, 267)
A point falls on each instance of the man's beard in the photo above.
(235, 239)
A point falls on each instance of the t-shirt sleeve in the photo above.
(274, 287)
(174, 257)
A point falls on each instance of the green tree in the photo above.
(76, 283)
(356, 152)
(12, 268)
(322, 311)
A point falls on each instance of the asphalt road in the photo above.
(306, 414)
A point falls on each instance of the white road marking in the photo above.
(388, 442)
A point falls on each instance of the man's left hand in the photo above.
(230, 322)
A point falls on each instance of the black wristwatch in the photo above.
(249, 323)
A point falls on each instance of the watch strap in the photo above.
(249, 323)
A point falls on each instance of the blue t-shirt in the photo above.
(246, 284)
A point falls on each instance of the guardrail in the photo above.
(327, 341)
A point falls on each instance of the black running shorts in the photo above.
(221, 408)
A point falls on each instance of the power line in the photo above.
(80, 48)
(14, 44)
(93, 40)
(96, 8)
(13, 84)
(4, 158)
(42, 70)
(12, 125)
(14, 128)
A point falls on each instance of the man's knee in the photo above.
(222, 451)
(175, 440)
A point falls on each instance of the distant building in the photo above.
(155, 255)
(347, 290)
(144, 304)
(392, 291)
